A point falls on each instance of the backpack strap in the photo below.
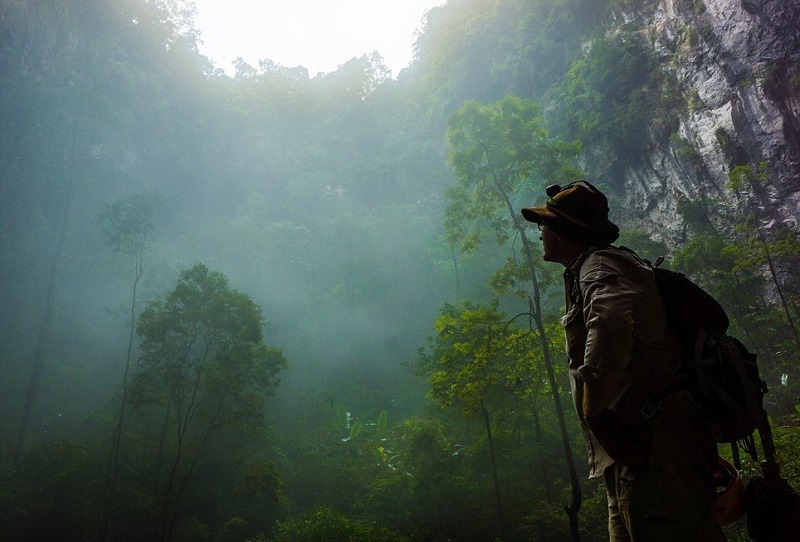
(697, 361)
(576, 294)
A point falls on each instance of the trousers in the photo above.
(671, 498)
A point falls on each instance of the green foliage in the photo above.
(697, 213)
(321, 198)
(731, 147)
(383, 421)
(787, 444)
(355, 429)
(745, 269)
(478, 357)
(687, 152)
(495, 149)
(202, 350)
(325, 524)
(337, 474)
(643, 244)
(203, 368)
(51, 497)
(613, 98)
(512, 276)
(127, 223)
(476, 49)
(431, 491)
(748, 176)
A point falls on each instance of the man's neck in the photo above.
(570, 252)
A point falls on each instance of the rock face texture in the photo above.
(738, 65)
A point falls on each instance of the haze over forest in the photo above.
(271, 305)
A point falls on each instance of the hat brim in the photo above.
(539, 215)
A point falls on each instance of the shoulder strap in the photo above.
(576, 294)
(648, 263)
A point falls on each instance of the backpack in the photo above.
(717, 369)
(723, 377)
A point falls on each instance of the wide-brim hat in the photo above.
(578, 211)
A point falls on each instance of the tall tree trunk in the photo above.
(493, 456)
(181, 495)
(774, 274)
(44, 328)
(539, 438)
(113, 462)
(184, 420)
(455, 271)
(167, 519)
(536, 315)
(162, 442)
(741, 311)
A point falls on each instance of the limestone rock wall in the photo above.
(738, 66)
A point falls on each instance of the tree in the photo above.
(127, 224)
(204, 364)
(44, 327)
(759, 250)
(477, 361)
(495, 150)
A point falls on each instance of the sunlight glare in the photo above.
(317, 34)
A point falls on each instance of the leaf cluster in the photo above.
(496, 149)
(613, 96)
(128, 222)
(478, 357)
(204, 342)
(326, 524)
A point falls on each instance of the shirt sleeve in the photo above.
(609, 298)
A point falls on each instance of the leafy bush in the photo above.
(326, 524)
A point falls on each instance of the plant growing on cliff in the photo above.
(613, 98)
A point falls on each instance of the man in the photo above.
(654, 452)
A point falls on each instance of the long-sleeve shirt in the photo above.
(621, 351)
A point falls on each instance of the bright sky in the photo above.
(317, 34)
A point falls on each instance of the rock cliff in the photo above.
(738, 66)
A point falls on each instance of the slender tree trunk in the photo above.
(740, 310)
(161, 446)
(493, 456)
(778, 289)
(455, 271)
(184, 421)
(167, 520)
(574, 507)
(145, 449)
(113, 462)
(537, 431)
(181, 495)
(44, 328)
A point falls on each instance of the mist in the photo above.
(141, 188)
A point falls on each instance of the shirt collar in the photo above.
(574, 269)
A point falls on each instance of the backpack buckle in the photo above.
(648, 411)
